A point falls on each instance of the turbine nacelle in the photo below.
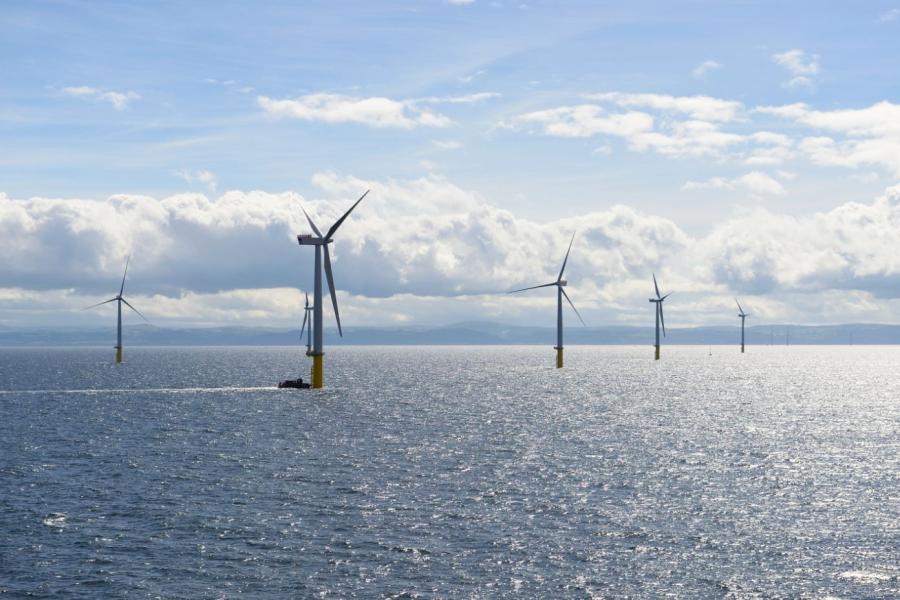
(306, 239)
(562, 282)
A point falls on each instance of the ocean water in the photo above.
(460, 472)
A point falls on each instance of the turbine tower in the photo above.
(120, 299)
(659, 313)
(320, 242)
(743, 317)
(560, 284)
(307, 320)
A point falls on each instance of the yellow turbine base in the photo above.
(318, 371)
(118, 354)
(559, 358)
(657, 352)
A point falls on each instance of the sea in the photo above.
(451, 472)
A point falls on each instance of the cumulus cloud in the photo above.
(801, 65)
(424, 236)
(676, 126)
(851, 247)
(755, 182)
(701, 126)
(869, 136)
(587, 120)
(118, 100)
(375, 111)
(639, 129)
(703, 108)
(705, 67)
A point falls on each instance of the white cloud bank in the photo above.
(416, 245)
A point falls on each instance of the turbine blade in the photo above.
(655, 286)
(122, 289)
(346, 214)
(573, 306)
(534, 287)
(662, 318)
(330, 277)
(666, 296)
(566, 259)
(739, 306)
(134, 309)
(303, 326)
(307, 300)
(100, 303)
(311, 224)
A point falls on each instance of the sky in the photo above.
(734, 149)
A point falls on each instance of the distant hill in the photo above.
(471, 333)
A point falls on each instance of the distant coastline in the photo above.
(474, 333)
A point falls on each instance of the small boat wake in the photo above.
(187, 390)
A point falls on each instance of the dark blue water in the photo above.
(451, 473)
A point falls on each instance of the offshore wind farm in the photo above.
(417, 190)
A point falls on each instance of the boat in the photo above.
(297, 384)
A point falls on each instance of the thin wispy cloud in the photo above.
(202, 176)
(118, 100)
(802, 65)
(755, 182)
(462, 99)
(471, 77)
(891, 15)
(447, 144)
(707, 66)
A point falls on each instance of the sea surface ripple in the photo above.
(451, 472)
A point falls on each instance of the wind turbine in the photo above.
(743, 317)
(659, 313)
(560, 284)
(320, 242)
(120, 299)
(307, 320)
